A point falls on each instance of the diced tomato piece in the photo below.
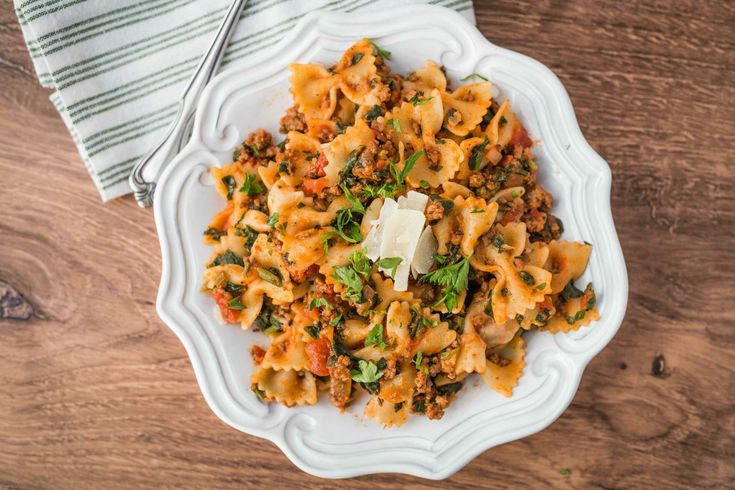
(315, 186)
(222, 298)
(319, 164)
(318, 352)
(257, 353)
(520, 137)
(515, 212)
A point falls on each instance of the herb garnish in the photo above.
(356, 58)
(395, 124)
(418, 362)
(272, 275)
(367, 373)
(227, 257)
(347, 276)
(416, 101)
(401, 174)
(360, 262)
(477, 153)
(235, 304)
(527, 278)
(379, 52)
(391, 263)
(250, 187)
(273, 219)
(215, 234)
(230, 184)
(375, 337)
(373, 113)
(313, 330)
(454, 279)
(320, 303)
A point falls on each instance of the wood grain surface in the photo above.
(95, 392)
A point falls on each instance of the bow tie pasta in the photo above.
(393, 244)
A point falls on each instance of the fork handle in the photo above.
(146, 172)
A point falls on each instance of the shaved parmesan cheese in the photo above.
(413, 200)
(372, 241)
(401, 234)
(423, 258)
(397, 233)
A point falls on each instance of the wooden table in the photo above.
(95, 392)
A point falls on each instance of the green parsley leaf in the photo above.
(379, 52)
(471, 75)
(391, 263)
(360, 262)
(320, 303)
(250, 187)
(254, 150)
(354, 202)
(356, 58)
(418, 362)
(273, 219)
(541, 286)
(230, 184)
(454, 279)
(395, 124)
(347, 276)
(416, 101)
(385, 190)
(401, 174)
(565, 471)
(424, 184)
(235, 304)
(375, 337)
(368, 372)
(335, 321)
(477, 210)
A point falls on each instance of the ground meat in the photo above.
(477, 180)
(340, 382)
(366, 167)
(535, 221)
(316, 168)
(298, 275)
(454, 116)
(391, 369)
(434, 211)
(433, 155)
(495, 358)
(326, 133)
(551, 230)
(456, 237)
(260, 140)
(423, 383)
(395, 84)
(513, 212)
(257, 354)
(538, 198)
(293, 121)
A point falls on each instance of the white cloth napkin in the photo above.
(119, 67)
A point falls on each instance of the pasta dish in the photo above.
(395, 242)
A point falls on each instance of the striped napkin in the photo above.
(118, 67)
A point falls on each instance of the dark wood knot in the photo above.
(12, 304)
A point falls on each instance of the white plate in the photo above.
(318, 439)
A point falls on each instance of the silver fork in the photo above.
(147, 171)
